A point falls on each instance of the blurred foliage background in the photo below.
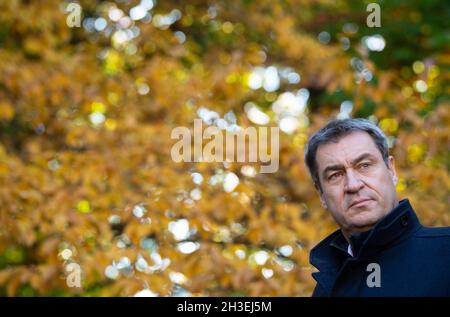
(86, 114)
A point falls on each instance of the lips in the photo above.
(359, 201)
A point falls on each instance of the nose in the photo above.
(352, 182)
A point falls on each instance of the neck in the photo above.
(348, 233)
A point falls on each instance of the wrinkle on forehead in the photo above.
(345, 150)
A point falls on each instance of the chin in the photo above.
(364, 222)
(362, 228)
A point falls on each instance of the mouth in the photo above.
(360, 202)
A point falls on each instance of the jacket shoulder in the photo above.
(320, 249)
(439, 232)
(321, 258)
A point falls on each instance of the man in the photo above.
(381, 248)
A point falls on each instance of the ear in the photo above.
(392, 171)
(323, 202)
(319, 190)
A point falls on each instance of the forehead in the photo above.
(345, 149)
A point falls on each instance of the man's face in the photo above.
(357, 186)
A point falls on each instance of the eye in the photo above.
(334, 176)
(364, 165)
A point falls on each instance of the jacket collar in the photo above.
(397, 225)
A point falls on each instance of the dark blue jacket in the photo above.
(412, 260)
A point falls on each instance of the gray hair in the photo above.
(336, 129)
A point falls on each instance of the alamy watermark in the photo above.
(74, 15)
(73, 275)
(374, 278)
(227, 146)
(72, 269)
(374, 18)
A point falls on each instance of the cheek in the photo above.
(334, 197)
(381, 183)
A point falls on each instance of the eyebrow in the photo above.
(353, 162)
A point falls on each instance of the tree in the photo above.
(86, 116)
